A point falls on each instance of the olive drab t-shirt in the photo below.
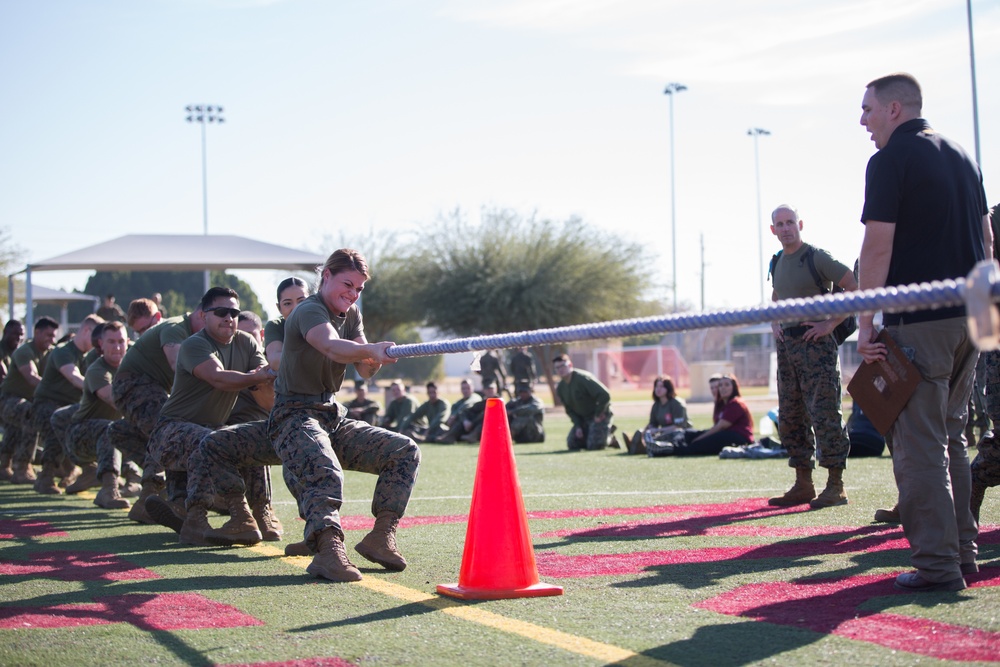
(274, 331)
(99, 375)
(146, 357)
(792, 278)
(54, 385)
(14, 383)
(304, 369)
(197, 401)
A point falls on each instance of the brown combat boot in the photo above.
(241, 527)
(46, 481)
(167, 513)
(132, 485)
(195, 527)
(6, 470)
(298, 549)
(108, 497)
(138, 512)
(379, 546)
(24, 473)
(270, 527)
(86, 480)
(68, 473)
(331, 562)
(888, 516)
(833, 494)
(801, 492)
(978, 494)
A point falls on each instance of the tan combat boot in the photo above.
(69, 472)
(168, 513)
(108, 497)
(298, 549)
(195, 527)
(241, 527)
(801, 492)
(24, 473)
(138, 512)
(833, 494)
(331, 562)
(87, 479)
(132, 486)
(270, 527)
(379, 546)
(46, 482)
(888, 516)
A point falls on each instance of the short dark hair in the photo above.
(899, 87)
(250, 315)
(668, 383)
(113, 325)
(98, 331)
(46, 322)
(431, 385)
(217, 293)
(11, 325)
(140, 308)
(561, 357)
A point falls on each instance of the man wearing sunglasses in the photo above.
(213, 366)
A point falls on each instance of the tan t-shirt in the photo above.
(304, 369)
(195, 400)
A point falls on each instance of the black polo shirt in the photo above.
(933, 191)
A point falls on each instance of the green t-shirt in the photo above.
(14, 383)
(91, 357)
(274, 331)
(246, 409)
(583, 396)
(792, 279)
(99, 375)
(54, 385)
(146, 357)
(399, 412)
(428, 414)
(461, 404)
(195, 400)
(304, 369)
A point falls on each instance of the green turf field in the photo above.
(662, 561)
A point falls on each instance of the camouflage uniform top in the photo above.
(583, 396)
(305, 370)
(196, 401)
(793, 279)
(462, 404)
(146, 357)
(54, 385)
(99, 375)
(532, 407)
(15, 384)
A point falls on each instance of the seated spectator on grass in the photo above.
(667, 415)
(865, 438)
(733, 426)
(399, 409)
(362, 408)
(426, 421)
(525, 413)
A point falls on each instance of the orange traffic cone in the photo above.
(498, 561)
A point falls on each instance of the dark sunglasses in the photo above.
(222, 311)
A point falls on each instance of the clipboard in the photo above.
(883, 388)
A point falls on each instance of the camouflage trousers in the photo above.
(82, 438)
(986, 465)
(595, 434)
(809, 394)
(124, 441)
(316, 444)
(139, 399)
(60, 422)
(232, 460)
(53, 452)
(19, 434)
(526, 429)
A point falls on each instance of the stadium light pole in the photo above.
(756, 132)
(975, 100)
(204, 114)
(671, 90)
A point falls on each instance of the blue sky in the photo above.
(349, 116)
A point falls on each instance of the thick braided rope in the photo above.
(937, 294)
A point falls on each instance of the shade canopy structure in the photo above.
(41, 294)
(173, 252)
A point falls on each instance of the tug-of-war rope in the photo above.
(977, 292)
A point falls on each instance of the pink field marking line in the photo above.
(169, 611)
(20, 529)
(77, 566)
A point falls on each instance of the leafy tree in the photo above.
(514, 273)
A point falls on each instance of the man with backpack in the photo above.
(809, 393)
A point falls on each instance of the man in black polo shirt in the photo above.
(925, 218)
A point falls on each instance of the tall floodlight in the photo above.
(204, 114)
(671, 89)
(972, 66)
(756, 132)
